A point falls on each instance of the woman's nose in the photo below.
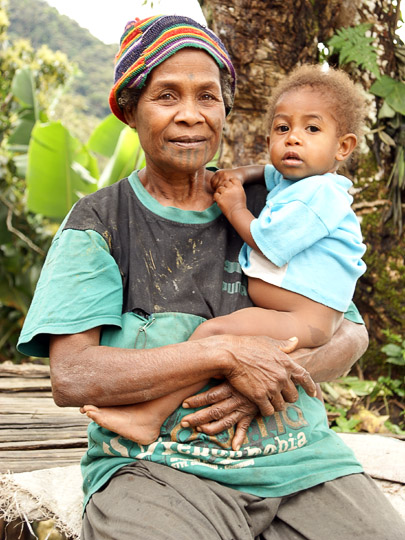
(189, 112)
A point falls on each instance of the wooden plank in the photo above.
(18, 384)
(31, 460)
(80, 442)
(8, 369)
(44, 434)
(34, 432)
(34, 408)
(20, 466)
(51, 454)
(23, 395)
(18, 420)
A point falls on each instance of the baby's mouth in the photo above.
(291, 158)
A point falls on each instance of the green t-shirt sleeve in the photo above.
(80, 287)
(353, 314)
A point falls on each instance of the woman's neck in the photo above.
(186, 191)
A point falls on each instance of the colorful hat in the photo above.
(146, 44)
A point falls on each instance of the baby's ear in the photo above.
(347, 143)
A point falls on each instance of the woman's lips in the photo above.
(188, 142)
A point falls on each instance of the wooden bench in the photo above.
(41, 446)
(40, 443)
(34, 432)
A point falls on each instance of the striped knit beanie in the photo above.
(146, 44)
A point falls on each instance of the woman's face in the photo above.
(180, 113)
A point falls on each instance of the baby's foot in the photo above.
(132, 422)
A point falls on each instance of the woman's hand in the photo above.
(225, 407)
(259, 370)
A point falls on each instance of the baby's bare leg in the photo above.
(140, 422)
(282, 314)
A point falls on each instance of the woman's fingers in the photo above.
(225, 423)
(213, 395)
(290, 393)
(224, 407)
(265, 407)
(240, 431)
(301, 377)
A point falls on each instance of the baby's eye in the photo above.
(313, 129)
(282, 128)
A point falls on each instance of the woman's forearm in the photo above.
(83, 372)
(336, 357)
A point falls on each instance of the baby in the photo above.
(302, 255)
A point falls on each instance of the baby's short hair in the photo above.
(346, 98)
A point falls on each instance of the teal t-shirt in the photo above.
(149, 275)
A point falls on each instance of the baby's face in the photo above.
(303, 138)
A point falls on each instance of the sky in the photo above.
(106, 20)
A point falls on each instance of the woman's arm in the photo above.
(336, 357)
(84, 372)
(225, 407)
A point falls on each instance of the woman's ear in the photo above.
(130, 114)
(347, 143)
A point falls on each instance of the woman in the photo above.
(132, 272)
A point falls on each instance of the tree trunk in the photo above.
(266, 39)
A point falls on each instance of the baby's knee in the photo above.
(212, 327)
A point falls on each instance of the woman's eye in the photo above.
(166, 96)
(313, 129)
(207, 97)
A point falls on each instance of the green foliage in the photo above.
(48, 29)
(343, 423)
(58, 167)
(353, 45)
(24, 236)
(393, 92)
(354, 403)
(23, 90)
(395, 350)
(395, 353)
(391, 131)
(60, 170)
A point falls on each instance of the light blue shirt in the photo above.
(309, 232)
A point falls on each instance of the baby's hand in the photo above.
(223, 175)
(230, 197)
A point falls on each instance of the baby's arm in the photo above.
(230, 197)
